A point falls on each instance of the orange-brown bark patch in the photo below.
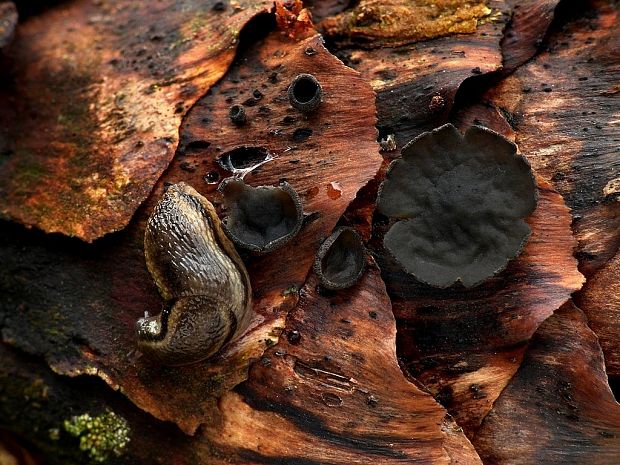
(94, 104)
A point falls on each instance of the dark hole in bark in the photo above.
(243, 158)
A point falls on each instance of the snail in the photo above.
(199, 275)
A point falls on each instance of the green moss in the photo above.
(198, 23)
(100, 436)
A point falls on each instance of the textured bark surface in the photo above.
(465, 345)
(91, 110)
(35, 403)
(600, 301)
(416, 83)
(526, 30)
(334, 389)
(64, 299)
(558, 409)
(320, 377)
(330, 393)
(563, 106)
(374, 23)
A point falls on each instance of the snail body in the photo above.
(200, 276)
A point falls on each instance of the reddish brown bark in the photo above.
(102, 290)
(97, 95)
(558, 409)
(526, 30)
(465, 345)
(562, 106)
(333, 388)
(560, 109)
(332, 393)
(416, 83)
(600, 301)
(315, 380)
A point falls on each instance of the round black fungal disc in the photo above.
(340, 260)
(263, 218)
(462, 203)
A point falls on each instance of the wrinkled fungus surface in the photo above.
(262, 218)
(461, 202)
(340, 259)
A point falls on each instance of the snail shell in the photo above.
(200, 276)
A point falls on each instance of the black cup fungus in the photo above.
(340, 260)
(461, 203)
(260, 219)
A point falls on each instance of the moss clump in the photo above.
(100, 436)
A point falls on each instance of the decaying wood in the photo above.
(561, 111)
(96, 97)
(600, 301)
(465, 345)
(526, 30)
(333, 388)
(558, 408)
(562, 107)
(416, 83)
(101, 290)
(315, 380)
(374, 23)
(32, 394)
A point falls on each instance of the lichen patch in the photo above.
(378, 23)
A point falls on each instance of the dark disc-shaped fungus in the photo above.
(262, 218)
(461, 202)
(340, 260)
(305, 93)
(237, 115)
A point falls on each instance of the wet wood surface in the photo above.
(387, 371)
(561, 106)
(600, 301)
(333, 388)
(558, 408)
(91, 108)
(526, 31)
(560, 109)
(416, 83)
(101, 290)
(465, 345)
